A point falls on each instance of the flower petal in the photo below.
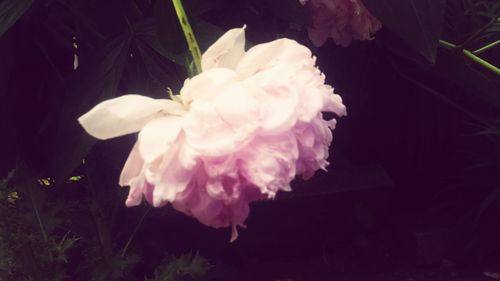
(207, 85)
(226, 51)
(263, 56)
(125, 115)
(157, 137)
(132, 168)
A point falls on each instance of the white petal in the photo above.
(264, 56)
(125, 114)
(158, 136)
(207, 85)
(226, 51)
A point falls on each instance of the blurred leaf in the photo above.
(114, 269)
(418, 22)
(199, 7)
(157, 67)
(147, 32)
(289, 10)
(11, 11)
(477, 93)
(168, 29)
(206, 34)
(91, 83)
(490, 200)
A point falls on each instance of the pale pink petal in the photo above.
(173, 177)
(158, 136)
(269, 162)
(132, 168)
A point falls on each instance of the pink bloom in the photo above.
(342, 20)
(238, 132)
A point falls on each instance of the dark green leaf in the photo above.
(168, 29)
(172, 269)
(206, 34)
(147, 32)
(11, 11)
(418, 22)
(477, 93)
(199, 7)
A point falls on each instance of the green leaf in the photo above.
(11, 11)
(418, 22)
(172, 269)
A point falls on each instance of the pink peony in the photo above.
(342, 20)
(238, 132)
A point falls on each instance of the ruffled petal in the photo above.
(226, 52)
(174, 177)
(125, 115)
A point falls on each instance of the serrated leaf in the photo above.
(418, 22)
(11, 11)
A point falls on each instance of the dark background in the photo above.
(413, 186)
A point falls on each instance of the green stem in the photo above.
(471, 56)
(188, 33)
(481, 62)
(447, 45)
(487, 47)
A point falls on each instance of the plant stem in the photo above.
(481, 62)
(188, 33)
(487, 47)
(471, 56)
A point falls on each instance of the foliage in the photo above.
(175, 268)
(36, 245)
(31, 245)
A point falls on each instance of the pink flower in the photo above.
(342, 20)
(238, 132)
